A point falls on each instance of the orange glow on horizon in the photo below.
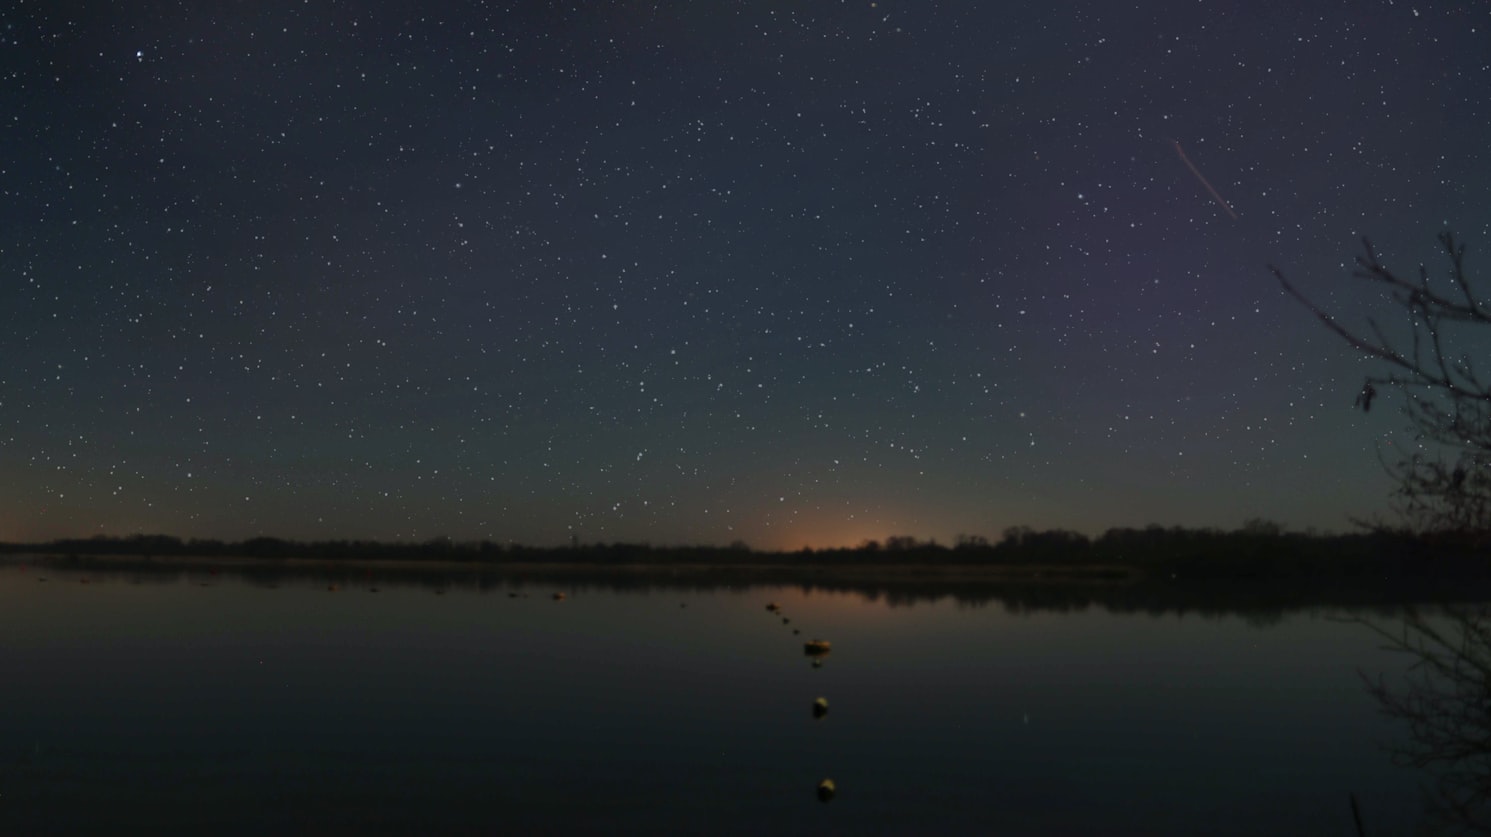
(845, 534)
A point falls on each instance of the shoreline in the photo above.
(1020, 587)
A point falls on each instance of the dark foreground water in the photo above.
(224, 704)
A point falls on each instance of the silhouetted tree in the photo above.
(972, 542)
(1444, 487)
(1262, 528)
(1014, 536)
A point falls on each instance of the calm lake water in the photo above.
(195, 702)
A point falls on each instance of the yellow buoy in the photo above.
(826, 790)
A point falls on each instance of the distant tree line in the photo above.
(1259, 549)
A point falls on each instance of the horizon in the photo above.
(1250, 528)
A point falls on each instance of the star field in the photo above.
(699, 272)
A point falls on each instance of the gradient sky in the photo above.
(702, 271)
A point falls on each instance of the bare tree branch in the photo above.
(1447, 404)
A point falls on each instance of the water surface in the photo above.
(142, 702)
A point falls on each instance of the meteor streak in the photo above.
(1192, 166)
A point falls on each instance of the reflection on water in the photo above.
(247, 698)
(1261, 603)
(1444, 700)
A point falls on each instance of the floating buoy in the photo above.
(815, 647)
(559, 597)
(795, 632)
(331, 588)
(826, 790)
(774, 607)
(820, 707)
(817, 662)
(786, 621)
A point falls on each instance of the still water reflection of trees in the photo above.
(1259, 602)
(1444, 701)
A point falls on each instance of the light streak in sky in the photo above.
(1192, 166)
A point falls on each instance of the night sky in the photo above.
(788, 273)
